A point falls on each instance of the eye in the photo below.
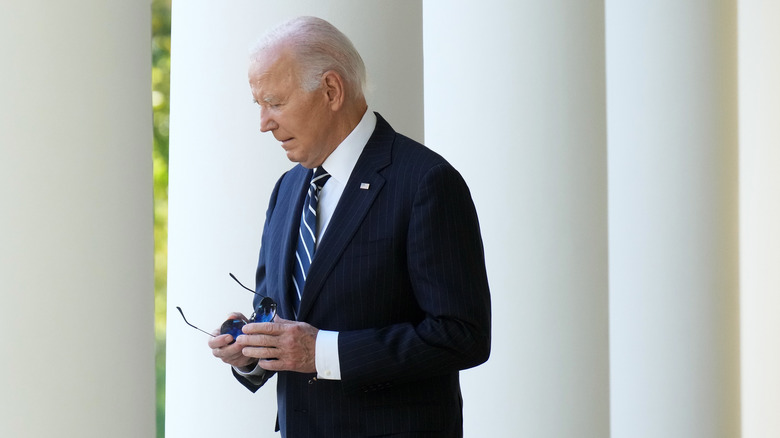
(272, 103)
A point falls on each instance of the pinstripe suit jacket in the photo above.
(400, 273)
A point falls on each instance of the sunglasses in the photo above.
(264, 312)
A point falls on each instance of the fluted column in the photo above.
(222, 171)
(759, 158)
(515, 99)
(76, 241)
(673, 200)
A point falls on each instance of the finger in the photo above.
(238, 360)
(261, 353)
(258, 340)
(220, 341)
(231, 355)
(262, 328)
(277, 362)
(226, 349)
(273, 364)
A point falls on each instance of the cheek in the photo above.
(306, 124)
(305, 120)
(317, 122)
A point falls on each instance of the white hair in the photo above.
(318, 46)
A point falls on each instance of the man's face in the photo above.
(301, 120)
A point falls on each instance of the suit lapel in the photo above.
(350, 212)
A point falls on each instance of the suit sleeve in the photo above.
(446, 266)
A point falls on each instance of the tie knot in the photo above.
(320, 177)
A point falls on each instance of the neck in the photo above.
(346, 122)
(352, 116)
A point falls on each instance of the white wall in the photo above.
(76, 243)
(759, 168)
(223, 170)
(674, 248)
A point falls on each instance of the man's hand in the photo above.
(281, 345)
(230, 353)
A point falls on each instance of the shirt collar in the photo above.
(342, 160)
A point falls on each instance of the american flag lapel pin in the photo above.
(364, 186)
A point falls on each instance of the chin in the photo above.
(298, 160)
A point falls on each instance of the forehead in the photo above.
(272, 70)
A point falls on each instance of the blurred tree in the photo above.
(161, 67)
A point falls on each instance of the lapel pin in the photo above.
(364, 186)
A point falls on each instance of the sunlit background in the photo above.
(161, 67)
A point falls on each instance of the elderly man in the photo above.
(372, 250)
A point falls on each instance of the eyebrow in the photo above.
(270, 98)
(266, 99)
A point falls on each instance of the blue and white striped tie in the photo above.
(307, 235)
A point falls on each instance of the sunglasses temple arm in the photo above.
(239, 283)
(188, 323)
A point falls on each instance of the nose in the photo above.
(267, 122)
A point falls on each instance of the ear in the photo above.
(333, 86)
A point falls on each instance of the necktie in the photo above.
(307, 235)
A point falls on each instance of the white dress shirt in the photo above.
(339, 165)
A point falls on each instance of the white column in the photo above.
(76, 241)
(759, 158)
(515, 99)
(673, 201)
(222, 171)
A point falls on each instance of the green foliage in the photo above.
(161, 74)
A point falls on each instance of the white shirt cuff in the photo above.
(326, 355)
(255, 372)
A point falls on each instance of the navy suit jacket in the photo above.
(400, 274)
